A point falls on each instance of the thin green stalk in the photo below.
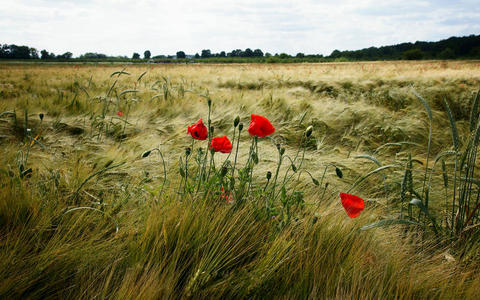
(280, 160)
(236, 151)
(254, 152)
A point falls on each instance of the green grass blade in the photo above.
(127, 91)
(424, 209)
(370, 174)
(453, 126)
(141, 76)
(474, 112)
(388, 222)
(369, 157)
(425, 104)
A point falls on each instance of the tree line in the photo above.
(467, 47)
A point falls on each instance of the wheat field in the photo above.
(85, 213)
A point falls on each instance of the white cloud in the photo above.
(122, 27)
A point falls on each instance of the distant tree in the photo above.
(147, 54)
(258, 53)
(44, 54)
(268, 54)
(300, 55)
(284, 55)
(197, 55)
(66, 55)
(181, 54)
(16, 52)
(447, 53)
(222, 54)
(33, 53)
(413, 54)
(90, 55)
(135, 55)
(336, 54)
(206, 53)
(248, 53)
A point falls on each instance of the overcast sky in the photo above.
(121, 27)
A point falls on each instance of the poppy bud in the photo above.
(309, 131)
(339, 172)
(209, 102)
(294, 168)
(41, 116)
(240, 127)
(255, 158)
(236, 121)
(211, 129)
(315, 182)
(269, 175)
(278, 147)
(188, 151)
(182, 172)
(224, 171)
(282, 151)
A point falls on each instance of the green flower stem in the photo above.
(236, 153)
(254, 146)
(280, 160)
(206, 152)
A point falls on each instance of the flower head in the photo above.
(198, 131)
(228, 198)
(353, 204)
(221, 144)
(260, 126)
(120, 114)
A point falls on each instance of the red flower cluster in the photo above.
(353, 204)
(198, 131)
(221, 144)
(228, 199)
(260, 126)
(120, 114)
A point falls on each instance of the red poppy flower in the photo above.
(228, 199)
(198, 131)
(221, 144)
(120, 114)
(260, 126)
(353, 204)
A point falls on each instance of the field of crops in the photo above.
(103, 194)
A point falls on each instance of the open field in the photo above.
(180, 240)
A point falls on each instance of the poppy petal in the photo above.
(352, 204)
